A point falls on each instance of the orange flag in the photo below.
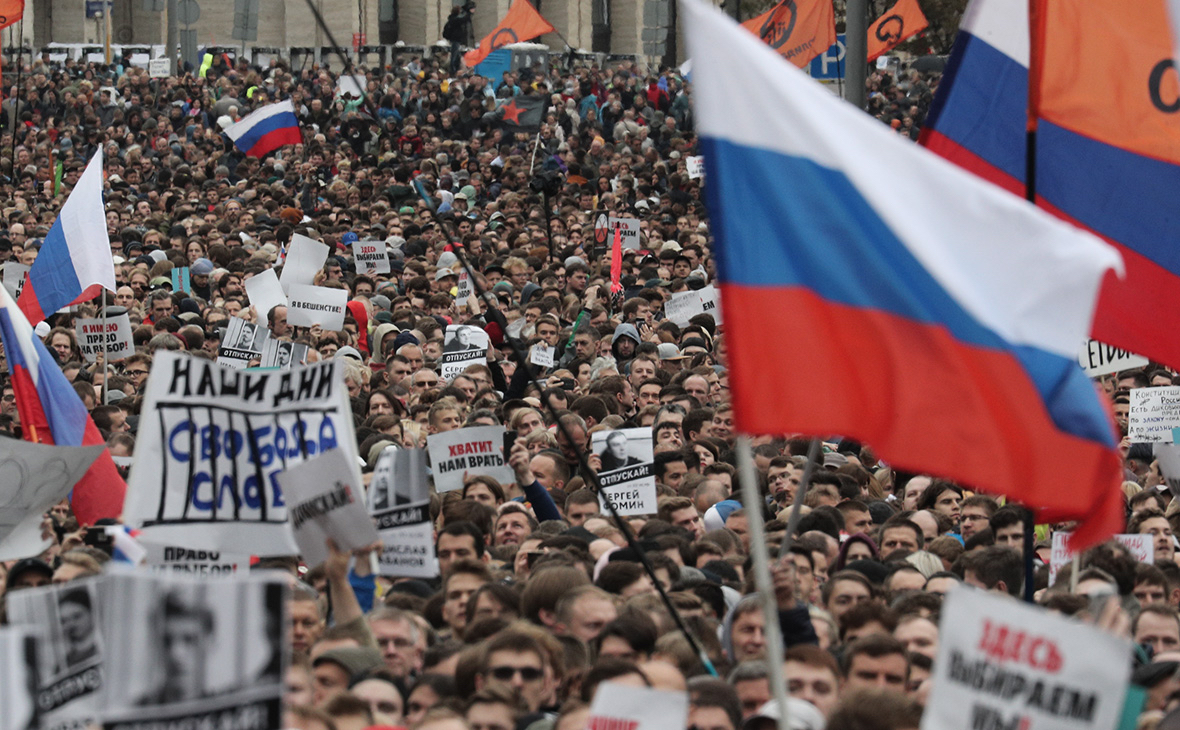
(11, 11)
(522, 23)
(904, 20)
(799, 30)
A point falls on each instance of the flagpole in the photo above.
(20, 70)
(1036, 30)
(536, 144)
(813, 450)
(752, 499)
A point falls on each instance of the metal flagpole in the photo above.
(752, 499)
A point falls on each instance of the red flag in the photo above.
(799, 30)
(616, 262)
(11, 11)
(522, 23)
(902, 21)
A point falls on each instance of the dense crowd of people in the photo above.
(539, 600)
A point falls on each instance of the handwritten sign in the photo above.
(305, 258)
(265, 293)
(111, 335)
(682, 306)
(630, 232)
(1154, 413)
(695, 166)
(464, 289)
(212, 442)
(14, 278)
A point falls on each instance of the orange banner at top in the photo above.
(11, 11)
(899, 23)
(1107, 72)
(522, 23)
(799, 30)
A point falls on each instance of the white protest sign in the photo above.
(35, 477)
(1140, 546)
(111, 335)
(71, 648)
(172, 559)
(682, 306)
(230, 672)
(18, 666)
(623, 707)
(371, 257)
(1153, 414)
(476, 451)
(265, 294)
(305, 258)
(326, 501)
(160, 68)
(1004, 663)
(311, 305)
(1099, 359)
(626, 475)
(212, 442)
(14, 278)
(463, 345)
(695, 166)
(464, 289)
(347, 84)
(1169, 458)
(541, 355)
(630, 232)
(399, 501)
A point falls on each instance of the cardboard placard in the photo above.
(464, 289)
(241, 343)
(1099, 359)
(172, 559)
(1153, 414)
(283, 354)
(159, 68)
(212, 441)
(35, 477)
(14, 278)
(311, 305)
(18, 666)
(371, 257)
(627, 476)
(326, 501)
(623, 707)
(231, 667)
(182, 280)
(463, 345)
(542, 355)
(682, 306)
(111, 335)
(1005, 663)
(630, 232)
(473, 451)
(265, 293)
(305, 258)
(1139, 546)
(399, 502)
(695, 166)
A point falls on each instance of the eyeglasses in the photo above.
(528, 674)
(137, 372)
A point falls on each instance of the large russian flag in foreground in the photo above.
(51, 413)
(1108, 140)
(267, 129)
(74, 262)
(939, 315)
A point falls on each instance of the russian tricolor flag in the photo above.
(52, 413)
(75, 262)
(1107, 154)
(266, 129)
(874, 290)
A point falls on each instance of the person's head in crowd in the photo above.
(515, 662)
(813, 675)
(459, 541)
(975, 514)
(463, 579)
(399, 639)
(900, 534)
(383, 693)
(943, 497)
(713, 705)
(513, 524)
(305, 616)
(349, 712)
(1152, 522)
(1008, 526)
(632, 637)
(996, 568)
(1158, 628)
(494, 708)
(335, 670)
(427, 693)
(583, 611)
(877, 661)
(844, 590)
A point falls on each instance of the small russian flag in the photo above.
(266, 129)
(127, 548)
